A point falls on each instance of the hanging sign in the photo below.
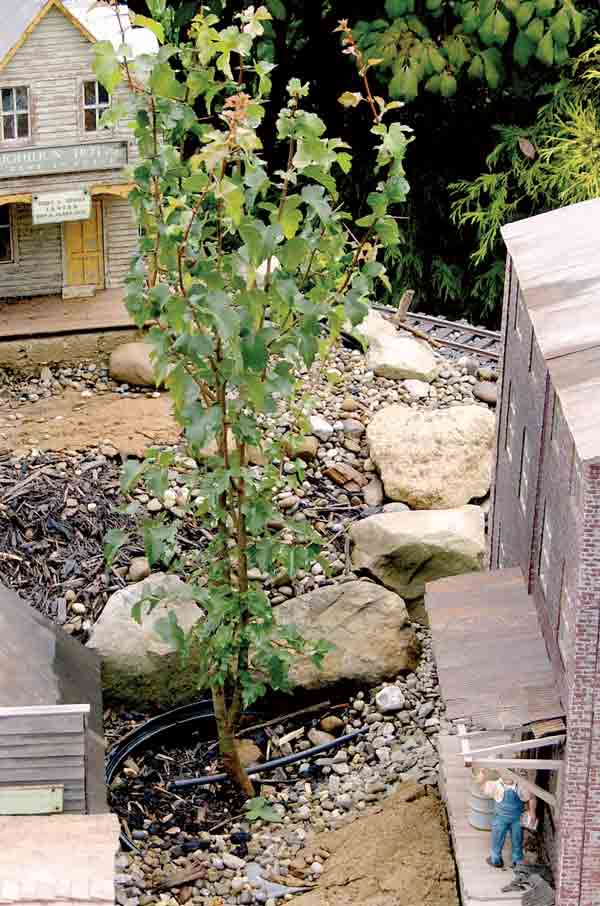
(58, 207)
(68, 159)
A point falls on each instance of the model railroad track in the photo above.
(457, 338)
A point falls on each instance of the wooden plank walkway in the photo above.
(490, 653)
(52, 316)
(480, 885)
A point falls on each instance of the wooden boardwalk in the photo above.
(480, 885)
(53, 316)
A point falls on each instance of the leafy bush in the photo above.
(240, 268)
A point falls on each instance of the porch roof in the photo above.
(492, 661)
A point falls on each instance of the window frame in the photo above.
(524, 473)
(14, 114)
(11, 235)
(563, 621)
(544, 559)
(98, 107)
(511, 414)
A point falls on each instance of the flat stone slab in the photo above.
(58, 858)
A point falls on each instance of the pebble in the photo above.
(390, 699)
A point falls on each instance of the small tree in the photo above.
(245, 275)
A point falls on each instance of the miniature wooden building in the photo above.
(65, 224)
(544, 587)
(51, 740)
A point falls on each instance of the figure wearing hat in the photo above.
(509, 798)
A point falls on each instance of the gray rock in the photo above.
(406, 550)
(367, 625)
(487, 392)
(373, 492)
(138, 666)
(320, 427)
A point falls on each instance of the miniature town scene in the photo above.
(299, 464)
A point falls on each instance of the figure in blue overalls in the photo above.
(510, 799)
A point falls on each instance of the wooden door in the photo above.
(84, 254)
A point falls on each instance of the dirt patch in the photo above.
(397, 855)
(73, 422)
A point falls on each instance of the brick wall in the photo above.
(579, 832)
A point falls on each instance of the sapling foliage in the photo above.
(246, 275)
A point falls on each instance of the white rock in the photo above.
(320, 428)
(231, 861)
(418, 389)
(406, 550)
(433, 459)
(138, 666)
(389, 699)
(131, 364)
(393, 355)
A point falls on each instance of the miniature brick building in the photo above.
(546, 510)
(56, 157)
(518, 647)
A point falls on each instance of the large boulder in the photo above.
(138, 667)
(406, 550)
(394, 355)
(368, 626)
(131, 364)
(433, 459)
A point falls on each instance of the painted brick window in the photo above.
(6, 239)
(15, 113)
(510, 424)
(524, 478)
(95, 101)
(564, 629)
(518, 318)
(545, 552)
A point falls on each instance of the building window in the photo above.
(544, 569)
(95, 101)
(510, 424)
(524, 479)
(556, 416)
(564, 629)
(532, 354)
(501, 551)
(15, 113)
(6, 244)
(518, 316)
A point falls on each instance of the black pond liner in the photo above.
(199, 716)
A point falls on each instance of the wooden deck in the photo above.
(52, 316)
(479, 883)
(491, 657)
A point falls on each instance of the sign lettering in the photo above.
(70, 159)
(57, 207)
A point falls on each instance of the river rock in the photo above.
(320, 427)
(406, 550)
(394, 355)
(433, 459)
(373, 492)
(368, 626)
(138, 667)
(131, 364)
(486, 391)
(390, 699)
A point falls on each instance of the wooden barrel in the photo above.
(481, 808)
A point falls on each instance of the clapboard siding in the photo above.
(53, 62)
(44, 748)
(121, 240)
(37, 265)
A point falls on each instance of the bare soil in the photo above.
(397, 855)
(72, 422)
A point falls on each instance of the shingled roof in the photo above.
(557, 260)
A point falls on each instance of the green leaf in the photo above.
(433, 84)
(106, 66)
(291, 216)
(350, 99)
(561, 27)
(277, 9)
(113, 542)
(254, 351)
(293, 253)
(447, 85)
(545, 7)
(476, 70)
(535, 30)
(131, 474)
(523, 49)
(576, 20)
(259, 809)
(159, 542)
(545, 49)
(492, 61)
(524, 13)
(163, 82)
(395, 8)
(155, 27)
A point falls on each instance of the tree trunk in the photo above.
(231, 759)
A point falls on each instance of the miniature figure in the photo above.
(510, 798)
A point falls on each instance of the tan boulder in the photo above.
(131, 363)
(368, 626)
(433, 459)
(406, 550)
(391, 354)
